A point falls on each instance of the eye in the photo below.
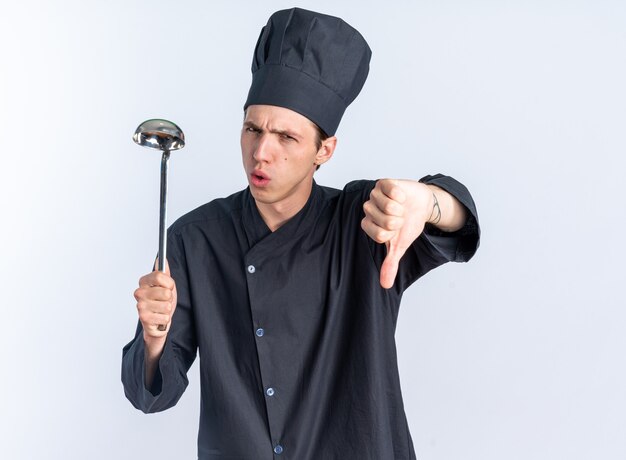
(286, 137)
(250, 129)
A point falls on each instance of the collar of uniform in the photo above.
(257, 230)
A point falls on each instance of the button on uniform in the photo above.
(251, 269)
(270, 391)
(260, 332)
(278, 449)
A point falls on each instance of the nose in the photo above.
(262, 149)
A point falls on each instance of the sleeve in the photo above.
(435, 247)
(170, 380)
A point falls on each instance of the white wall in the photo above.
(518, 355)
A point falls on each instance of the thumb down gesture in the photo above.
(395, 215)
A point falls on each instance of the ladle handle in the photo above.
(163, 219)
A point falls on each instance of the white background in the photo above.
(518, 355)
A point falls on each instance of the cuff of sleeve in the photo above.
(461, 245)
(134, 375)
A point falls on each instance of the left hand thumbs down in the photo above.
(395, 214)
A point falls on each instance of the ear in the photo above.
(326, 151)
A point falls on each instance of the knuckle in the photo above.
(379, 238)
(368, 227)
(367, 207)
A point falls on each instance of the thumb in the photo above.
(389, 268)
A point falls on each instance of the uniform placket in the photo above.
(267, 334)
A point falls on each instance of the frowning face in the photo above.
(280, 154)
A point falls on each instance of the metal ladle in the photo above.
(165, 136)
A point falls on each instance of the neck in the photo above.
(276, 214)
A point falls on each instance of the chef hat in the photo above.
(311, 63)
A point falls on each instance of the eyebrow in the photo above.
(249, 124)
(286, 132)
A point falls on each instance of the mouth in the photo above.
(259, 178)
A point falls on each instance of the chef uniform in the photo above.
(294, 332)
